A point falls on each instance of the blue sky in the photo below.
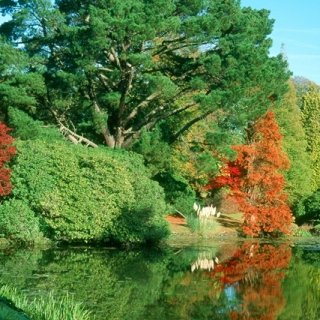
(297, 25)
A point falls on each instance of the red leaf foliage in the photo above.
(7, 151)
(256, 180)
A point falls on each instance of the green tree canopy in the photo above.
(298, 177)
(19, 87)
(310, 119)
(112, 68)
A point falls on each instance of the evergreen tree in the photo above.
(298, 177)
(310, 119)
(21, 81)
(302, 85)
(114, 68)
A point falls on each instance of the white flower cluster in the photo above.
(206, 212)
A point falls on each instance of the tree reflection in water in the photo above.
(254, 273)
(233, 282)
(213, 282)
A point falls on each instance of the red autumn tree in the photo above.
(256, 180)
(7, 151)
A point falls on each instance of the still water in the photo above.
(224, 280)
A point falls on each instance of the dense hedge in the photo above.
(84, 194)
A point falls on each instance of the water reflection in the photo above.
(251, 279)
(229, 281)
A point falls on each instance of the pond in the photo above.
(223, 280)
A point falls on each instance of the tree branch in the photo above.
(188, 125)
(115, 58)
(72, 136)
(110, 141)
(75, 138)
(141, 105)
(125, 91)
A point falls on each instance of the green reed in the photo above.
(47, 307)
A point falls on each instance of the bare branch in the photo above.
(104, 80)
(105, 69)
(72, 136)
(132, 135)
(162, 107)
(75, 138)
(110, 141)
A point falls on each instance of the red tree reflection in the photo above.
(257, 270)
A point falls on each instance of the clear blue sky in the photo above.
(297, 25)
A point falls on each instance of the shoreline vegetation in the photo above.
(20, 306)
(228, 226)
(103, 132)
(113, 118)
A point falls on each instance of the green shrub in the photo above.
(146, 216)
(18, 222)
(85, 194)
(25, 128)
(316, 230)
(301, 232)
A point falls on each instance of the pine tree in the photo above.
(112, 69)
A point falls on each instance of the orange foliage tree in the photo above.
(6, 153)
(256, 180)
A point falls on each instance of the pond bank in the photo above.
(227, 225)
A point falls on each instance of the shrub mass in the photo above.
(82, 194)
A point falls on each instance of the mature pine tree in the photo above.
(115, 67)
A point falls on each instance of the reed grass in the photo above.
(47, 307)
(208, 226)
(193, 222)
(201, 225)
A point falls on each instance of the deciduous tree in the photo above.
(7, 151)
(256, 180)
